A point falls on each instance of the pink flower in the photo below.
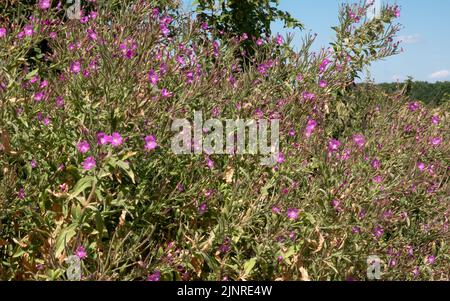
(322, 84)
(156, 276)
(376, 164)
(377, 179)
(202, 208)
(311, 125)
(153, 77)
(421, 166)
(336, 205)
(359, 140)
(28, 30)
(89, 163)
(292, 213)
(413, 106)
(2, 32)
(210, 163)
(378, 231)
(103, 139)
(276, 210)
(431, 259)
(21, 194)
(39, 96)
(81, 252)
(333, 145)
(150, 143)
(436, 141)
(324, 65)
(59, 101)
(397, 12)
(44, 4)
(280, 158)
(83, 147)
(280, 40)
(166, 93)
(435, 120)
(116, 139)
(75, 67)
(259, 42)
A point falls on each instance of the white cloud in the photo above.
(410, 39)
(440, 74)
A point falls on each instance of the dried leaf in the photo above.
(304, 273)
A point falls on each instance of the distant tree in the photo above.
(252, 17)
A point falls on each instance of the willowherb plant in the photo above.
(87, 168)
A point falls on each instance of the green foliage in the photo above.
(430, 93)
(252, 17)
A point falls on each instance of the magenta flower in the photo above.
(103, 139)
(276, 210)
(421, 166)
(28, 30)
(80, 252)
(292, 213)
(2, 32)
(116, 139)
(33, 163)
(210, 163)
(59, 101)
(413, 106)
(21, 194)
(435, 120)
(153, 77)
(202, 208)
(280, 158)
(39, 96)
(89, 163)
(150, 142)
(397, 12)
(324, 65)
(378, 231)
(165, 93)
(377, 179)
(46, 121)
(376, 164)
(44, 4)
(43, 84)
(359, 140)
(436, 141)
(75, 67)
(83, 147)
(310, 127)
(336, 205)
(333, 145)
(280, 40)
(431, 259)
(322, 83)
(259, 42)
(156, 276)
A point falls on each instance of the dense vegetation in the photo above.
(430, 93)
(86, 166)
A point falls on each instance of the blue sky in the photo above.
(426, 36)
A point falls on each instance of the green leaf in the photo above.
(82, 185)
(248, 266)
(63, 238)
